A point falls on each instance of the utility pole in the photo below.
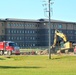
(49, 24)
(49, 29)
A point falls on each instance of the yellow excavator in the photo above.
(67, 44)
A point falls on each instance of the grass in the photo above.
(38, 65)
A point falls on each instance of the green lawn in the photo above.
(38, 65)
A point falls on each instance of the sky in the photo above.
(64, 10)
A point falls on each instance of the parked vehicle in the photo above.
(9, 48)
(75, 50)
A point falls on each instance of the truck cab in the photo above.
(9, 48)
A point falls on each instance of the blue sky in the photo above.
(32, 9)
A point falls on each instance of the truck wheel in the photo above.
(9, 52)
(1, 52)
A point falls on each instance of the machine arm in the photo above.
(60, 34)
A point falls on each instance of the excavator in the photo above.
(67, 44)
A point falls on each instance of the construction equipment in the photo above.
(67, 44)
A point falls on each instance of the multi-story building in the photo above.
(34, 33)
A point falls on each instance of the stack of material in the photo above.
(45, 52)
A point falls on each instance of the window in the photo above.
(47, 31)
(9, 24)
(33, 32)
(17, 24)
(17, 38)
(14, 31)
(20, 38)
(59, 26)
(2, 24)
(11, 31)
(25, 37)
(25, 25)
(9, 37)
(33, 38)
(23, 31)
(52, 31)
(22, 25)
(71, 37)
(67, 31)
(75, 32)
(71, 31)
(12, 38)
(8, 31)
(28, 31)
(12, 44)
(38, 25)
(14, 24)
(2, 31)
(60, 31)
(33, 44)
(30, 25)
(20, 31)
(17, 31)
(30, 44)
(23, 45)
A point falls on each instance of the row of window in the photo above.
(58, 26)
(27, 45)
(36, 31)
(33, 38)
(23, 24)
(29, 25)
(21, 31)
(68, 31)
(21, 38)
(31, 45)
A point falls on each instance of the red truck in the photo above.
(9, 48)
(75, 50)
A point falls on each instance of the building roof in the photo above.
(33, 20)
(53, 20)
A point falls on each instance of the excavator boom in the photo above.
(60, 34)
